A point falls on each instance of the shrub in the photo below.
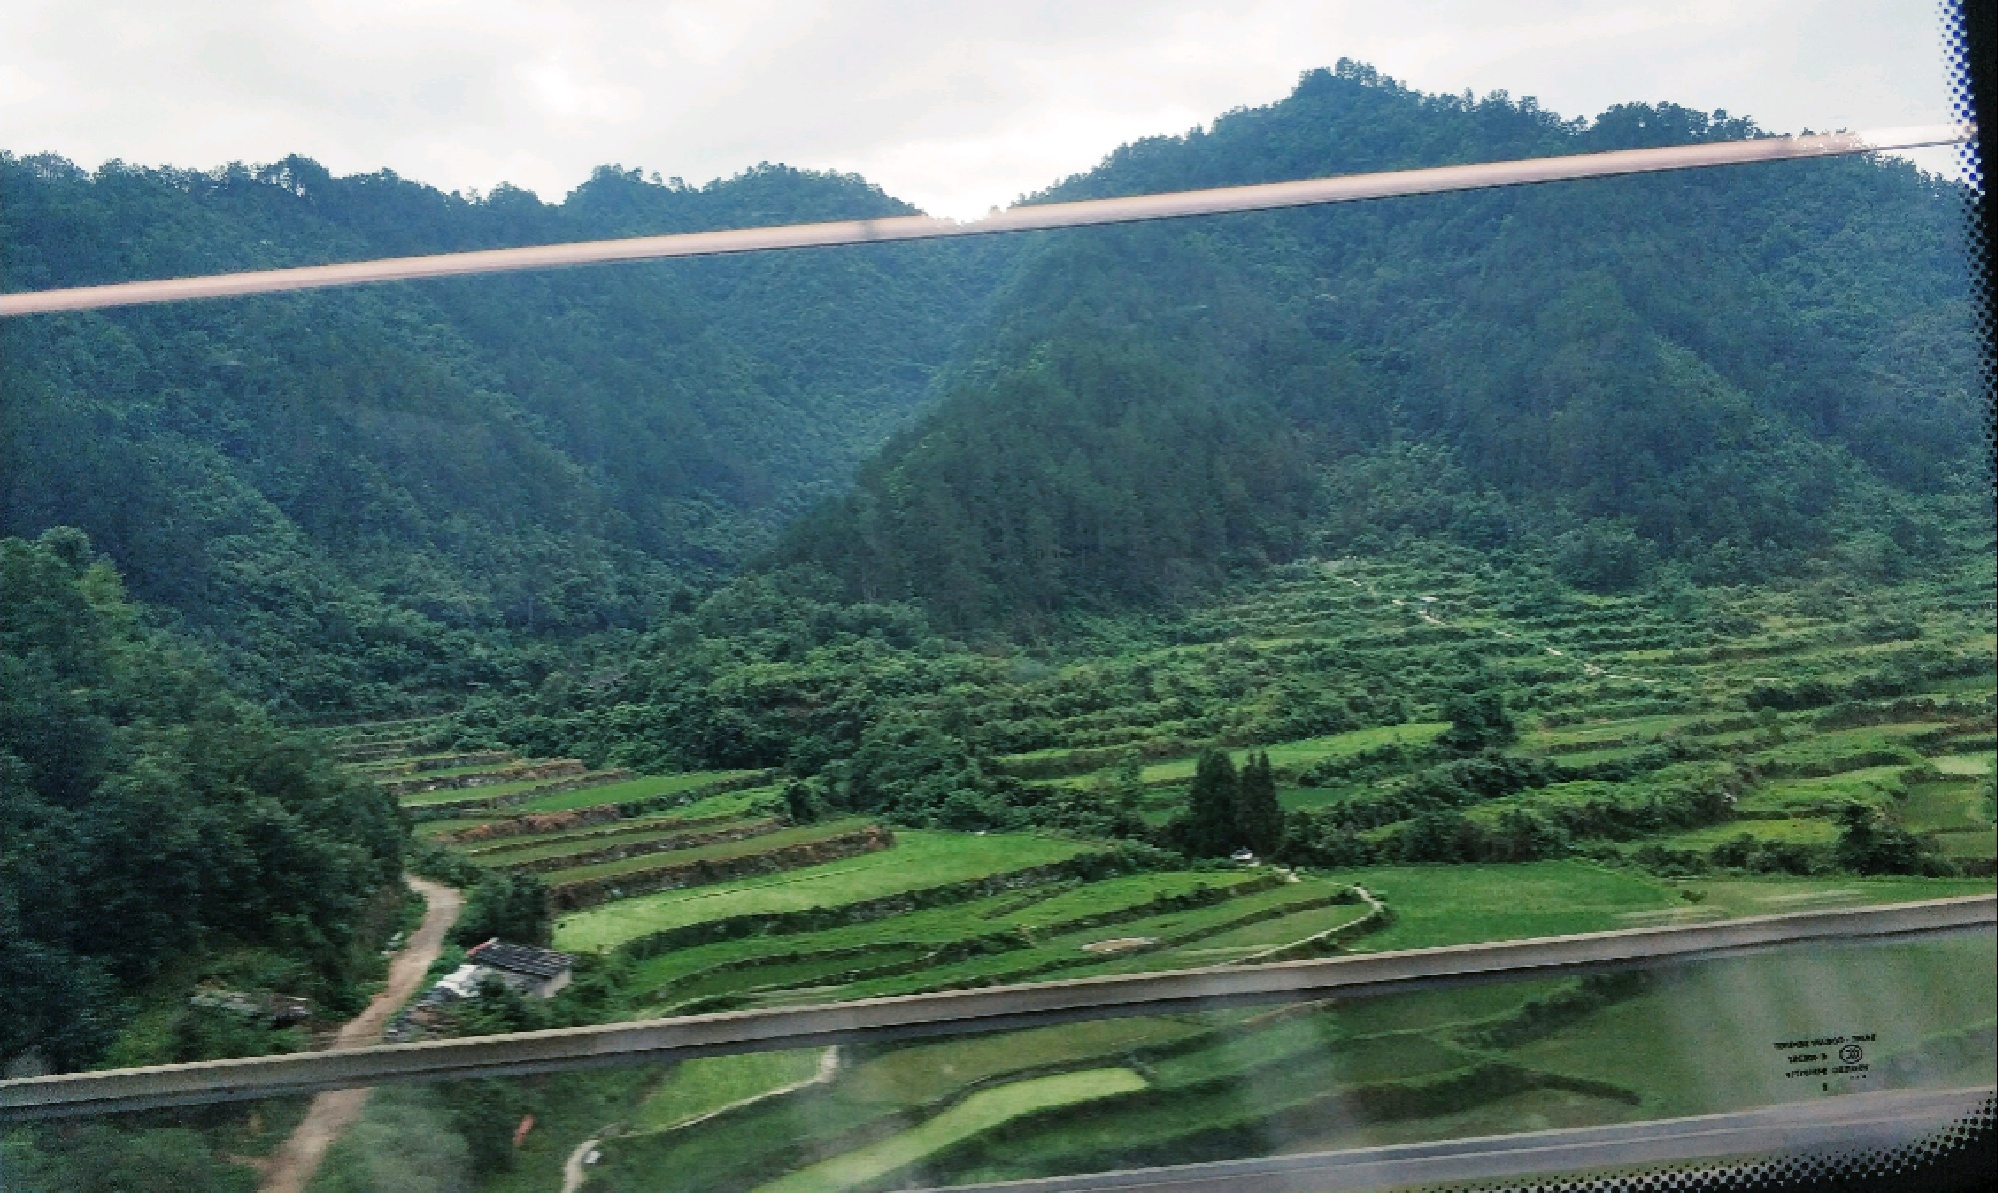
(513, 907)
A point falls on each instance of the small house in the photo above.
(537, 973)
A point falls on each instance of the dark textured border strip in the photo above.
(964, 1011)
(1970, 37)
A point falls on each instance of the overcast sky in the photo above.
(953, 106)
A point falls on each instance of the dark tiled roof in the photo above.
(521, 958)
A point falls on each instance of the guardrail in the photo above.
(965, 1011)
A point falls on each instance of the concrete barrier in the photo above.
(961, 1011)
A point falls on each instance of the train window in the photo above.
(1407, 636)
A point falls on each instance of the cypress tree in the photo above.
(1258, 816)
(1210, 825)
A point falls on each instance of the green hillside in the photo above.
(1737, 370)
(360, 497)
(1622, 417)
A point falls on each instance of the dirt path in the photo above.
(334, 1111)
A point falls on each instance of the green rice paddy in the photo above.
(919, 859)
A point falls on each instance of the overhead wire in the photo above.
(1027, 217)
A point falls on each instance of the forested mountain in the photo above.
(1737, 369)
(353, 495)
(365, 498)
(1641, 386)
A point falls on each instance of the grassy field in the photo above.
(724, 964)
(424, 799)
(660, 785)
(622, 835)
(1964, 764)
(645, 787)
(919, 859)
(1875, 785)
(1718, 897)
(1286, 755)
(1437, 905)
(1071, 954)
(1793, 832)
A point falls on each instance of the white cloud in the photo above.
(954, 106)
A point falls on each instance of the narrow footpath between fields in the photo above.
(334, 1111)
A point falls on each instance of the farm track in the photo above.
(332, 1112)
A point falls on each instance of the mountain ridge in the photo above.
(353, 498)
(1738, 370)
(359, 501)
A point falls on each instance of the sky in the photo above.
(954, 106)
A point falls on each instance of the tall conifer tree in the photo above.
(1210, 825)
(1258, 816)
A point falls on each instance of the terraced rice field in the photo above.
(919, 860)
(1620, 701)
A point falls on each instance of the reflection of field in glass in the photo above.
(1703, 1038)
(979, 1113)
(697, 1088)
(1697, 1038)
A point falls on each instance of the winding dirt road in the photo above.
(333, 1112)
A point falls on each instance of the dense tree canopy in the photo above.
(1737, 369)
(355, 495)
(362, 497)
(150, 819)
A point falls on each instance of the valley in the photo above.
(789, 629)
(1783, 707)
